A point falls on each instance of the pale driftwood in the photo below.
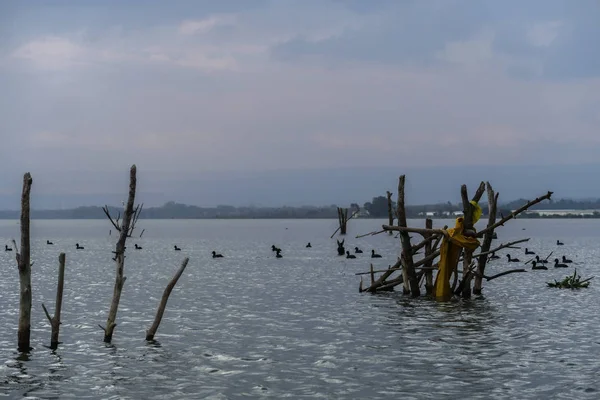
(428, 264)
(487, 239)
(390, 214)
(408, 271)
(163, 301)
(24, 265)
(513, 214)
(125, 229)
(55, 321)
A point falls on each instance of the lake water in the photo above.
(253, 326)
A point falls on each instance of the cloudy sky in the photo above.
(202, 87)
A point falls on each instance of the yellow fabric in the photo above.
(477, 211)
(449, 255)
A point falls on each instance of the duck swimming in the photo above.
(375, 255)
(78, 247)
(6, 248)
(49, 242)
(537, 259)
(357, 250)
(559, 243)
(512, 259)
(535, 266)
(566, 260)
(348, 255)
(275, 248)
(308, 245)
(557, 265)
(137, 247)
(528, 252)
(176, 248)
(216, 255)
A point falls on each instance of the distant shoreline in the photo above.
(16, 218)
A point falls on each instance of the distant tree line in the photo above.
(376, 208)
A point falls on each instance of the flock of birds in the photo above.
(341, 250)
(538, 263)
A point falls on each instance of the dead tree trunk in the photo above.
(487, 239)
(163, 301)
(24, 264)
(468, 230)
(125, 229)
(408, 268)
(427, 266)
(390, 214)
(342, 219)
(55, 321)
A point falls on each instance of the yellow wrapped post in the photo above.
(450, 252)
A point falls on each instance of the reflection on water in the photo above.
(251, 325)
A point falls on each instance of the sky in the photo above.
(194, 90)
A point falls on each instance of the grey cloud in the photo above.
(415, 32)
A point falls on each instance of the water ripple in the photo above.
(251, 325)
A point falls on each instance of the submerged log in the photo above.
(163, 301)
(24, 265)
(55, 321)
(124, 230)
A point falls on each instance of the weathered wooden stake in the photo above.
(124, 232)
(163, 301)
(408, 269)
(390, 214)
(24, 264)
(55, 321)
(427, 266)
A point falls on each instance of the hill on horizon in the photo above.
(294, 188)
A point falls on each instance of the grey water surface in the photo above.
(250, 325)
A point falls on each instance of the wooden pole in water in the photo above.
(55, 321)
(163, 301)
(124, 230)
(408, 269)
(24, 265)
